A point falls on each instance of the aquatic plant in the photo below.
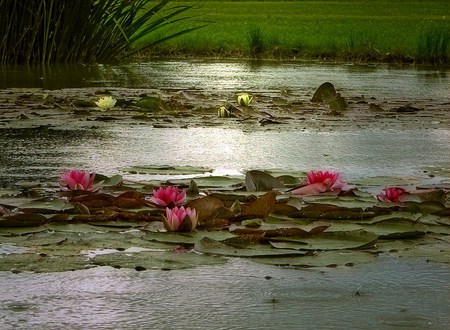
(433, 44)
(52, 31)
(223, 112)
(332, 178)
(180, 219)
(256, 42)
(168, 196)
(244, 99)
(77, 180)
(392, 194)
(320, 181)
(106, 102)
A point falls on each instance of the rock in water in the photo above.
(325, 92)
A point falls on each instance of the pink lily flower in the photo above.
(77, 180)
(180, 219)
(320, 181)
(169, 196)
(392, 194)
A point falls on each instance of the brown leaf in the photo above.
(260, 208)
(207, 208)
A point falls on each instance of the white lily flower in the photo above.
(244, 99)
(105, 103)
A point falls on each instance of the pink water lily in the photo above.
(169, 196)
(392, 194)
(77, 180)
(180, 219)
(320, 181)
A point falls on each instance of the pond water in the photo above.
(389, 293)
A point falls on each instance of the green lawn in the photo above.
(355, 29)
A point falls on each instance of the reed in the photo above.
(36, 31)
(433, 44)
(256, 42)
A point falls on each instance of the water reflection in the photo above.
(42, 153)
(369, 80)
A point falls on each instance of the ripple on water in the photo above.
(239, 294)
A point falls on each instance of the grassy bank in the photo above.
(378, 30)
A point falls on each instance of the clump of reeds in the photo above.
(433, 45)
(36, 31)
(256, 42)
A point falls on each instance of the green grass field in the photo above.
(350, 30)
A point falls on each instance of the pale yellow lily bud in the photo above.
(244, 99)
(223, 112)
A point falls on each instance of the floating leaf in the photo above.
(397, 229)
(261, 181)
(321, 259)
(327, 241)
(259, 208)
(210, 246)
(23, 220)
(166, 170)
(150, 103)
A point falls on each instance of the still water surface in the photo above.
(389, 293)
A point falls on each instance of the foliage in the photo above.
(356, 30)
(116, 226)
(86, 30)
(433, 44)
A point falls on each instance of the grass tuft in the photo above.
(433, 45)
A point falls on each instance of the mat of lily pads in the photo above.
(254, 216)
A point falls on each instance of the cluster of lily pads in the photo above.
(179, 218)
(317, 220)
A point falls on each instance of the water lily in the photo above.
(78, 180)
(180, 219)
(392, 194)
(106, 102)
(169, 196)
(244, 99)
(320, 181)
(223, 112)
(331, 178)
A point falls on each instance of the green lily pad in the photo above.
(42, 263)
(357, 239)
(165, 260)
(321, 259)
(150, 103)
(166, 170)
(210, 246)
(386, 181)
(439, 251)
(187, 238)
(397, 229)
(46, 205)
(221, 182)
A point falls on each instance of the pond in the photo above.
(390, 292)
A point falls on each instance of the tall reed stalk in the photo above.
(48, 31)
(433, 45)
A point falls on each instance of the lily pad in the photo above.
(321, 259)
(210, 246)
(397, 229)
(261, 181)
(357, 239)
(386, 181)
(148, 260)
(166, 170)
